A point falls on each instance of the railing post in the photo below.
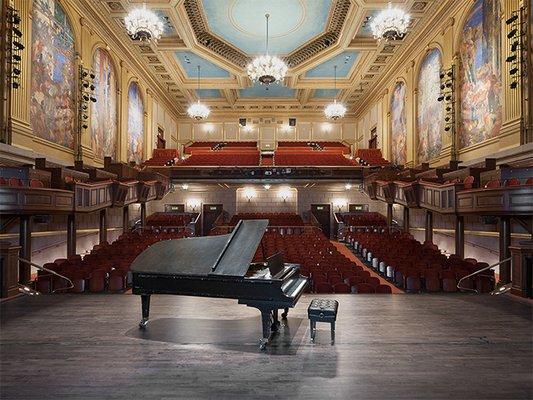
(71, 235)
(103, 225)
(25, 251)
(505, 242)
(125, 219)
(406, 225)
(460, 236)
(429, 226)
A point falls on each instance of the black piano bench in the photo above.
(322, 310)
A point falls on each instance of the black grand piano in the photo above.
(220, 266)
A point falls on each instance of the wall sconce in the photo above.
(185, 186)
(248, 128)
(194, 204)
(339, 204)
(249, 193)
(348, 186)
(267, 186)
(285, 128)
(284, 193)
(326, 127)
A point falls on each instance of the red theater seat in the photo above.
(342, 288)
(364, 288)
(323, 288)
(383, 289)
(469, 182)
(492, 184)
(512, 182)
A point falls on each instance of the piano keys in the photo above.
(220, 266)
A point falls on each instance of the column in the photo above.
(143, 214)
(103, 225)
(429, 226)
(125, 219)
(460, 236)
(505, 242)
(406, 226)
(25, 249)
(71, 235)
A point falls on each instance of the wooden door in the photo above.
(210, 213)
(322, 213)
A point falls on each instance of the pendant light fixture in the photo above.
(198, 111)
(335, 110)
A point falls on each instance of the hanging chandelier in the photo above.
(143, 24)
(267, 69)
(335, 110)
(198, 111)
(390, 24)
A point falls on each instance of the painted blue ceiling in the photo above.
(364, 29)
(242, 22)
(169, 28)
(321, 93)
(259, 90)
(208, 93)
(343, 61)
(190, 61)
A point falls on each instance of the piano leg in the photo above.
(285, 313)
(145, 305)
(266, 319)
(275, 320)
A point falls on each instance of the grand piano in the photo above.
(220, 266)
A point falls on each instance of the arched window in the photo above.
(104, 111)
(430, 112)
(481, 87)
(135, 124)
(53, 73)
(398, 125)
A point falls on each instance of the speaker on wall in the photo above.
(292, 121)
(242, 122)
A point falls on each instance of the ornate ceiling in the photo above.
(222, 36)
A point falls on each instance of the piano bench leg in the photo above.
(145, 306)
(285, 313)
(333, 332)
(313, 330)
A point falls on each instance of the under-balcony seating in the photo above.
(240, 157)
(365, 219)
(274, 219)
(162, 157)
(372, 157)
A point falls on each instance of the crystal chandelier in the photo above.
(335, 110)
(198, 111)
(267, 69)
(390, 24)
(143, 24)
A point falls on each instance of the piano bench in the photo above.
(322, 310)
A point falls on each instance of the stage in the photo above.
(387, 346)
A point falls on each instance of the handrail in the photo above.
(27, 290)
(477, 272)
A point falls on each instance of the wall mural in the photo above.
(430, 112)
(135, 124)
(104, 111)
(481, 109)
(53, 89)
(399, 125)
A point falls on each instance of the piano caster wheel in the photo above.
(284, 315)
(143, 323)
(275, 326)
(263, 344)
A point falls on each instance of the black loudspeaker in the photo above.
(242, 122)
(292, 121)
(490, 220)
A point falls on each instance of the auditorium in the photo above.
(266, 199)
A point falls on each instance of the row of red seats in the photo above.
(220, 158)
(162, 157)
(415, 266)
(274, 219)
(168, 219)
(469, 182)
(365, 219)
(107, 266)
(311, 158)
(17, 182)
(370, 157)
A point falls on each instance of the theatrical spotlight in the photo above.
(511, 19)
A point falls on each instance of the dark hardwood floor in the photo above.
(387, 347)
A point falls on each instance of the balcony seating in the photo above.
(239, 157)
(274, 219)
(468, 182)
(512, 182)
(310, 158)
(162, 157)
(493, 184)
(372, 157)
(418, 267)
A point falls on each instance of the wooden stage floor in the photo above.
(387, 347)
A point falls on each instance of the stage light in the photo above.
(267, 186)
(17, 31)
(84, 74)
(84, 107)
(440, 98)
(16, 19)
(442, 75)
(16, 71)
(15, 85)
(16, 57)
(442, 86)
(85, 84)
(512, 33)
(85, 97)
(93, 99)
(448, 97)
(92, 87)
(513, 70)
(84, 126)
(513, 84)
(448, 109)
(447, 128)
(511, 19)
(249, 193)
(514, 46)
(18, 45)
(92, 76)
(85, 116)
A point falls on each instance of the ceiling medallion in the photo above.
(390, 24)
(335, 110)
(198, 111)
(143, 24)
(267, 69)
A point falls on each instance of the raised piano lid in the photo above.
(227, 255)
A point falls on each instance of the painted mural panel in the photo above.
(481, 87)
(53, 89)
(104, 111)
(135, 124)
(399, 125)
(430, 112)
